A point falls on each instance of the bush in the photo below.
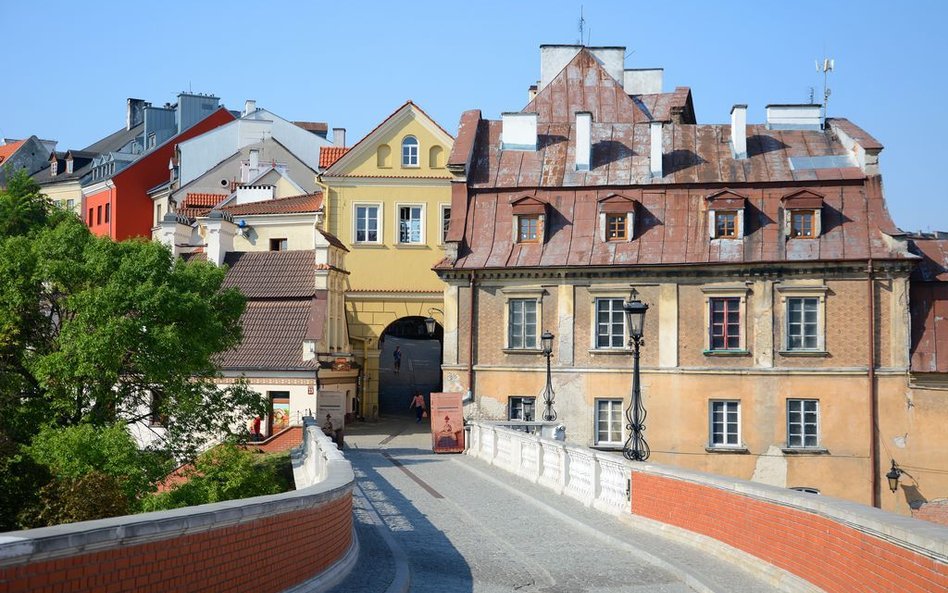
(20, 480)
(77, 451)
(93, 495)
(226, 472)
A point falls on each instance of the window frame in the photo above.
(802, 292)
(523, 294)
(612, 402)
(792, 213)
(520, 218)
(735, 224)
(407, 152)
(282, 243)
(597, 299)
(421, 223)
(617, 216)
(523, 399)
(725, 292)
(445, 221)
(379, 226)
(802, 435)
(739, 444)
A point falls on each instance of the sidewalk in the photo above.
(449, 523)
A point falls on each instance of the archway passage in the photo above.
(419, 370)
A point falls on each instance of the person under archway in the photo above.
(418, 402)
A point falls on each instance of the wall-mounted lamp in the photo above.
(893, 477)
(430, 323)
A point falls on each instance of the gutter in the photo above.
(873, 392)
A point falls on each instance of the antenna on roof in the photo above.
(582, 24)
(826, 67)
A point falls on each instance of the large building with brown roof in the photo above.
(778, 330)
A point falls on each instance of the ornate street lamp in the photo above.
(893, 477)
(546, 341)
(635, 447)
(430, 323)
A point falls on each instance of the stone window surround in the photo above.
(802, 291)
(613, 401)
(523, 293)
(739, 291)
(740, 447)
(606, 292)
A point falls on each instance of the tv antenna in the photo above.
(582, 28)
(826, 67)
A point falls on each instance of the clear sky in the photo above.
(68, 67)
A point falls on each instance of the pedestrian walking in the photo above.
(397, 355)
(418, 402)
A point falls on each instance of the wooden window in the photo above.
(725, 424)
(616, 227)
(445, 222)
(610, 323)
(521, 408)
(527, 229)
(725, 323)
(367, 223)
(609, 422)
(801, 224)
(803, 329)
(278, 244)
(522, 324)
(803, 423)
(725, 225)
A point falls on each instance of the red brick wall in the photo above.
(264, 556)
(832, 556)
(282, 441)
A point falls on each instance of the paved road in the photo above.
(450, 523)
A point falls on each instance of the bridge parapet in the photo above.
(796, 540)
(266, 543)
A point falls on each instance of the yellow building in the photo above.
(389, 200)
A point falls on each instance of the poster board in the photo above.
(447, 423)
(332, 403)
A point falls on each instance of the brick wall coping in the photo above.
(322, 466)
(923, 537)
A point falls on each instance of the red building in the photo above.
(119, 206)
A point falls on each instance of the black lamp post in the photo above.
(635, 447)
(546, 341)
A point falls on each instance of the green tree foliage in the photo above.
(96, 332)
(93, 495)
(226, 472)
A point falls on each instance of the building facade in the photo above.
(389, 201)
(778, 334)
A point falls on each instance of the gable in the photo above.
(379, 154)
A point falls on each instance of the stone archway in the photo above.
(420, 368)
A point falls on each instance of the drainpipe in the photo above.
(873, 392)
(470, 343)
(325, 189)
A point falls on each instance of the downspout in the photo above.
(470, 343)
(325, 189)
(873, 392)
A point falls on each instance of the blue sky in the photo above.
(69, 67)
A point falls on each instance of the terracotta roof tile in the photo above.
(7, 150)
(290, 205)
(209, 200)
(273, 334)
(330, 154)
(272, 274)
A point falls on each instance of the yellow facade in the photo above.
(388, 202)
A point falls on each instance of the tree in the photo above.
(94, 331)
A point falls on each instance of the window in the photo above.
(90, 217)
(410, 224)
(521, 408)
(152, 140)
(803, 423)
(725, 424)
(610, 323)
(802, 324)
(70, 204)
(522, 324)
(725, 323)
(609, 422)
(277, 244)
(409, 152)
(108, 212)
(616, 227)
(367, 224)
(527, 227)
(98, 215)
(445, 222)
(801, 224)
(725, 225)
(157, 214)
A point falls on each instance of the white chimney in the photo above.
(173, 232)
(793, 117)
(519, 131)
(739, 131)
(339, 137)
(655, 148)
(583, 140)
(250, 105)
(643, 81)
(220, 236)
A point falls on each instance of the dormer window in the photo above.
(529, 220)
(803, 214)
(53, 167)
(616, 218)
(726, 215)
(69, 164)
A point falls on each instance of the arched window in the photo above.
(409, 152)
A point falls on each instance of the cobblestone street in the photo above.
(442, 523)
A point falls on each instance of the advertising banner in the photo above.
(331, 408)
(447, 423)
